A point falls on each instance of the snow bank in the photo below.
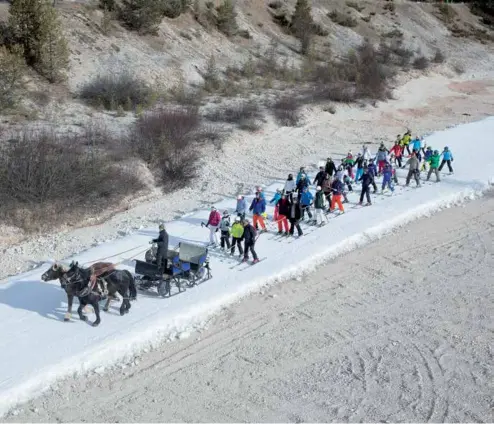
(37, 347)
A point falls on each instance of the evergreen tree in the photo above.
(35, 26)
(302, 24)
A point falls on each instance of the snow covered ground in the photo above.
(37, 347)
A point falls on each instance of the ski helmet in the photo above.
(237, 219)
(225, 212)
(239, 197)
(161, 227)
(446, 148)
(213, 208)
(318, 188)
(436, 152)
(429, 148)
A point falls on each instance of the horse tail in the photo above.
(132, 286)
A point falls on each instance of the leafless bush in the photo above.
(117, 91)
(446, 12)
(389, 6)
(246, 115)
(421, 63)
(42, 169)
(439, 57)
(355, 5)
(167, 141)
(286, 111)
(459, 68)
(276, 4)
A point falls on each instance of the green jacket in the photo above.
(319, 202)
(237, 230)
(434, 161)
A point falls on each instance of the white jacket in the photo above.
(289, 185)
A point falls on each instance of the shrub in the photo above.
(246, 115)
(342, 19)
(302, 25)
(39, 169)
(36, 27)
(276, 4)
(439, 57)
(166, 140)
(174, 8)
(286, 111)
(389, 6)
(143, 16)
(114, 91)
(226, 21)
(421, 63)
(355, 5)
(11, 77)
(446, 13)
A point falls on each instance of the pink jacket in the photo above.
(214, 218)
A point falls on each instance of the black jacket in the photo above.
(330, 168)
(284, 207)
(304, 182)
(295, 212)
(359, 162)
(320, 177)
(249, 234)
(366, 179)
(162, 240)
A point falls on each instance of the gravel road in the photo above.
(400, 330)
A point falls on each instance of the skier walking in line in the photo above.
(434, 165)
(348, 183)
(397, 152)
(413, 169)
(300, 174)
(373, 172)
(337, 188)
(387, 177)
(294, 216)
(321, 175)
(241, 207)
(213, 224)
(302, 184)
(367, 180)
(360, 166)
(258, 207)
(349, 162)
(283, 213)
(447, 158)
(330, 167)
(249, 242)
(289, 186)
(319, 205)
(381, 156)
(305, 202)
(326, 188)
(427, 156)
(237, 232)
(340, 173)
(161, 254)
(366, 153)
(276, 198)
(225, 230)
(405, 141)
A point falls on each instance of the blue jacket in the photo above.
(427, 155)
(241, 206)
(372, 169)
(447, 155)
(258, 206)
(381, 155)
(306, 198)
(276, 198)
(387, 172)
(299, 176)
(416, 144)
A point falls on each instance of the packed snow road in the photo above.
(400, 330)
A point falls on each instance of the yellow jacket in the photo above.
(405, 141)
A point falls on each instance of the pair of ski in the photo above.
(247, 264)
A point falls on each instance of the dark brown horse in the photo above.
(58, 271)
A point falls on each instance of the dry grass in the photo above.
(286, 111)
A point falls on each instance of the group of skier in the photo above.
(333, 182)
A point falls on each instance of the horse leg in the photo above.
(79, 311)
(95, 306)
(70, 300)
(107, 304)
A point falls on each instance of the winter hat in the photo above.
(161, 227)
(237, 219)
(213, 208)
(318, 188)
(239, 197)
(225, 212)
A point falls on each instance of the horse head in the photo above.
(53, 273)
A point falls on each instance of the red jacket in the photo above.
(396, 149)
(214, 218)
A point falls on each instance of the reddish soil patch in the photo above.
(470, 87)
